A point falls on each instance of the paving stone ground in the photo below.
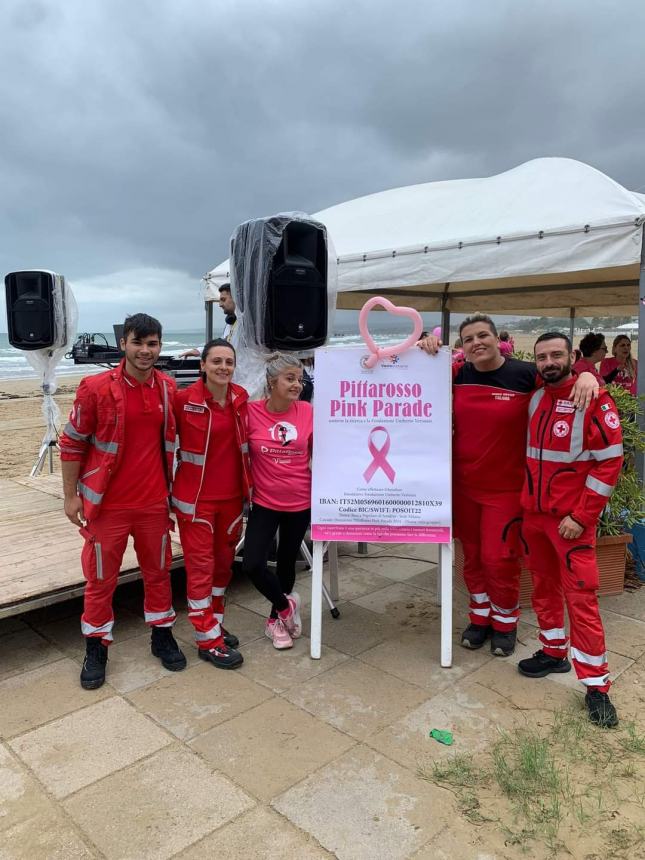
(285, 757)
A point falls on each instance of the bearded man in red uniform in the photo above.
(573, 461)
(117, 456)
(491, 394)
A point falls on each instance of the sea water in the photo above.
(14, 365)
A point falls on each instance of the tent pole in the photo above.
(445, 317)
(641, 348)
(572, 322)
(208, 307)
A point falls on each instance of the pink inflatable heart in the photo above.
(378, 352)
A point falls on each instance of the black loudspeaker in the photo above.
(296, 308)
(30, 309)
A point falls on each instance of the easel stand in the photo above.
(444, 595)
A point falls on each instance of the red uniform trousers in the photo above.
(566, 571)
(106, 538)
(209, 543)
(488, 526)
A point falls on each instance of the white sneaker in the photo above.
(276, 631)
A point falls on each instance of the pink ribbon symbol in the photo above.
(379, 457)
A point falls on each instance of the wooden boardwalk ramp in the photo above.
(40, 550)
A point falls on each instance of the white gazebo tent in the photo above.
(550, 237)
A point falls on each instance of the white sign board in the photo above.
(382, 447)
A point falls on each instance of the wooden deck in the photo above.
(40, 549)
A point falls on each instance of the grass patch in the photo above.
(549, 785)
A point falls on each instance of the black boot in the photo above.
(540, 664)
(93, 671)
(601, 711)
(164, 646)
(475, 635)
(503, 644)
(222, 656)
(230, 639)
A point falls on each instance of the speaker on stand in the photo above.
(41, 320)
(296, 307)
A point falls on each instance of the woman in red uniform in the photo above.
(621, 369)
(210, 486)
(280, 440)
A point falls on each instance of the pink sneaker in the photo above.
(294, 623)
(276, 631)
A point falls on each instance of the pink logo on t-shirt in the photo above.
(283, 432)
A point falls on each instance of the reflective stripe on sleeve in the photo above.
(184, 507)
(89, 494)
(73, 433)
(106, 447)
(608, 453)
(189, 457)
(589, 659)
(599, 486)
(162, 560)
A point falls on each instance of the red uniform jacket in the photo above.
(94, 433)
(573, 458)
(193, 425)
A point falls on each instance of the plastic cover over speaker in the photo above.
(254, 245)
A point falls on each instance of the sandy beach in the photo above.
(22, 425)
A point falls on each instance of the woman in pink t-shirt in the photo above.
(280, 432)
(621, 369)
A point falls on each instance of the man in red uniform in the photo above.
(573, 462)
(491, 394)
(117, 456)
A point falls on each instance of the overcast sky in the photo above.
(136, 134)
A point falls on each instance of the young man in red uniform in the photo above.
(573, 462)
(117, 455)
(491, 394)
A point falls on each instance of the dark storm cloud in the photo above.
(136, 135)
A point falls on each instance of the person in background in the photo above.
(621, 369)
(491, 394)
(506, 343)
(117, 453)
(573, 461)
(280, 443)
(593, 349)
(211, 482)
(227, 305)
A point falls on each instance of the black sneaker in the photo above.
(540, 664)
(601, 711)
(222, 656)
(164, 646)
(93, 671)
(475, 635)
(503, 644)
(230, 639)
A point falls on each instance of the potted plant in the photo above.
(625, 509)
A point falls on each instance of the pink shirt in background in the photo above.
(280, 449)
(622, 378)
